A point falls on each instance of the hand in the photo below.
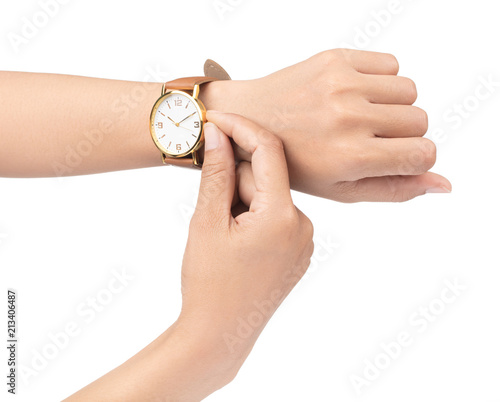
(347, 124)
(238, 268)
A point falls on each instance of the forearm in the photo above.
(60, 125)
(183, 364)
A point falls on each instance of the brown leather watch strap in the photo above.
(213, 69)
(213, 72)
(182, 162)
(187, 83)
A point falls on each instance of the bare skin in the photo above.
(345, 118)
(238, 267)
(348, 125)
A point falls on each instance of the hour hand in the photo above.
(176, 124)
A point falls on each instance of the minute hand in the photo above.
(186, 118)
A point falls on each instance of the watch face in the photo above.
(176, 124)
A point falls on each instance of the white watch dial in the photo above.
(177, 124)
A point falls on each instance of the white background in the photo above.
(60, 239)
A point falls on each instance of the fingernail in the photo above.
(212, 136)
(436, 190)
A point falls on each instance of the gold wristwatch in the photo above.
(178, 116)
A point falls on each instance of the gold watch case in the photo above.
(201, 113)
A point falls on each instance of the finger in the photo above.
(268, 157)
(393, 188)
(390, 157)
(246, 184)
(397, 121)
(389, 89)
(372, 62)
(217, 177)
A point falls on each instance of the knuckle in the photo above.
(337, 87)
(239, 120)
(307, 228)
(344, 54)
(392, 63)
(398, 195)
(409, 88)
(402, 193)
(237, 123)
(341, 115)
(272, 141)
(214, 178)
(423, 157)
(347, 191)
(329, 57)
(289, 219)
(352, 159)
(341, 82)
(362, 157)
(421, 122)
(430, 153)
(212, 170)
(397, 191)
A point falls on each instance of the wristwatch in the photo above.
(178, 116)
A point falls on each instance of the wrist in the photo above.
(225, 96)
(204, 347)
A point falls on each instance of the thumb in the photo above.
(217, 176)
(393, 188)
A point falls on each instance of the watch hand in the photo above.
(186, 118)
(176, 124)
(185, 128)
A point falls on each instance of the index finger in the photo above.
(268, 157)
